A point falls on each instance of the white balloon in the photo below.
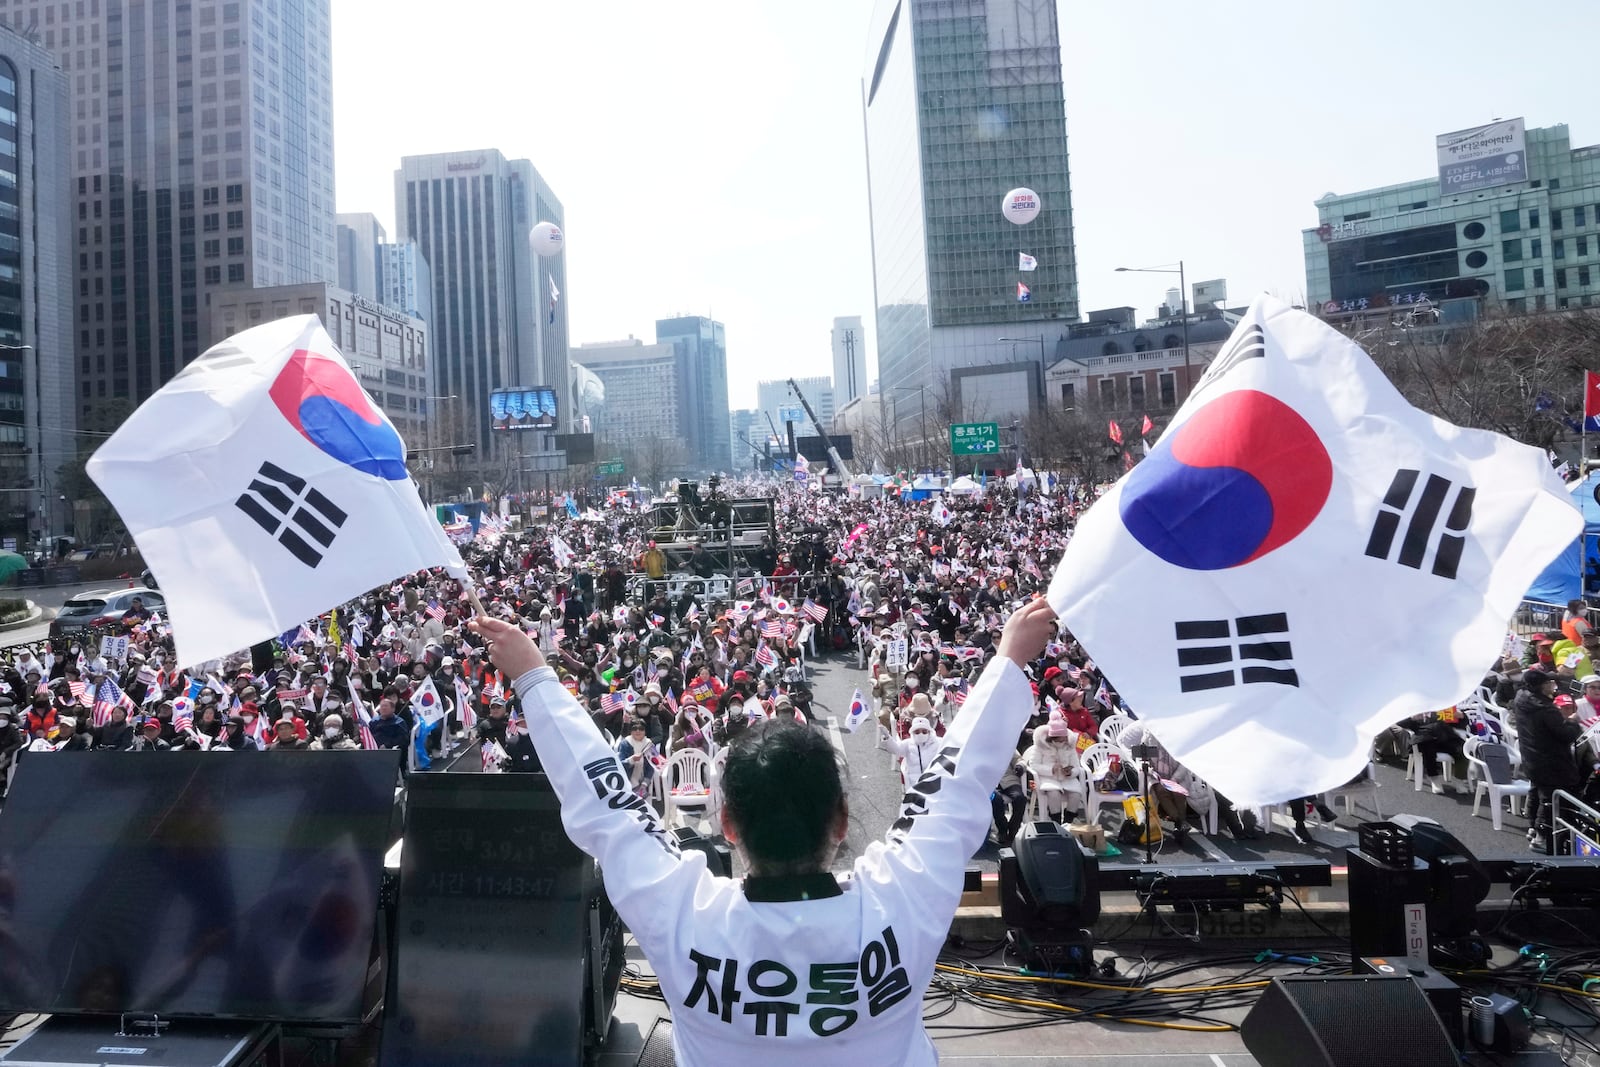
(1021, 206)
(545, 239)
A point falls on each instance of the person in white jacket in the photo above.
(793, 964)
(1053, 762)
(917, 753)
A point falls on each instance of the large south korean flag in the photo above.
(263, 487)
(1304, 559)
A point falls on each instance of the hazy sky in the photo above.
(709, 152)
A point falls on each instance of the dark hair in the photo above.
(782, 787)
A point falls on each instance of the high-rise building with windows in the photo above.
(640, 384)
(702, 353)
(962, 103)
(404, 280)
(202, 157)
(849, 359)
(37, 413)
(499, 312)
(359, 238)
(1529, 244)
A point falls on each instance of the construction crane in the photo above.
(833, 453)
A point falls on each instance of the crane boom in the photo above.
(833, 453)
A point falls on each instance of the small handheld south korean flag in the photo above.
(263, 486)
(858, 713)
(1304, 559)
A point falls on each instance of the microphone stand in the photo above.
(1150, 820)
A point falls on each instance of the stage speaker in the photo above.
(1346, 1021)
(1048, 881)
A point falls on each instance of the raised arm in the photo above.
(644, 870)
(945, 813)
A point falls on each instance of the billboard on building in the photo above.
(1482, 157)
(523, 409)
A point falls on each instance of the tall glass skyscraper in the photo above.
(37, 412)
(702, 354)
(499, 312)
(962, 102)
(202, 158)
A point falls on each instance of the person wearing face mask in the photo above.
(917, 752)
(232, 737)
(1053, 762)
(333, 738)
(689, 728)
(11, 738)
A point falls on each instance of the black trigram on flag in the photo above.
(1424, 520)
(1257, 644)
(290, 510)
(1251, 344)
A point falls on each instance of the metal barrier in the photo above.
(1575, 826)
(1535, 616)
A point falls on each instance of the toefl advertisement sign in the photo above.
(1482, 157)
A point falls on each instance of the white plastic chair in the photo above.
(1203, 799)
(1492, 781)
(1111, 728)
(686, 784)
(1366, 785)
(719, 761)
(1416, 767)
(1096, 761)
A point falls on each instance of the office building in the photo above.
(849, 359)
(499, 312)
(37, 410)
(387, 349)
(1523, 236)
(404, 281)
(1111, 366)
(702, 353)
(359, 238)
(962, 102)
(776, 401)
(202, 157)
(641, 393)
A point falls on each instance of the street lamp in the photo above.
(922, 392)
(1183, 300)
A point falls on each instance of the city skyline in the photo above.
(1219, 137)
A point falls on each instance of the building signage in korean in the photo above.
(1482, 157)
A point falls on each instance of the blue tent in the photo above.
(1564, 579)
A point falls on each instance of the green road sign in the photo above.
(610, 467)
(974, 438)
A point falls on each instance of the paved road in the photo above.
(51, 599)
(875, 796)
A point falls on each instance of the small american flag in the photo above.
(109, 696)
(611, 702)
(434, 611)
(765, 656)
(671, 700)
(814, 611)
(182, 714)
(692, 614)
(78, 689)
(772, 628)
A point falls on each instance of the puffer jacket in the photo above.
(1545, 737)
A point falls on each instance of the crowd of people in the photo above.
(913, 593)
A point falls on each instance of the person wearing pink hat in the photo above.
(1053, 762)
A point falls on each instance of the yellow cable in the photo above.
(1078, 983)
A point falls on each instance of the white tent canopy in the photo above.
(964, 486)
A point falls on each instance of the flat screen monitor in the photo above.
(193, 884)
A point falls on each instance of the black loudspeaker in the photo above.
(719, 857)
(1047, 880)
(507, 951)
(1388, 906)
(1346, 1021)
(261, 658)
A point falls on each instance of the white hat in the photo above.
(1589, 679)
(333, 720)
(921, 724)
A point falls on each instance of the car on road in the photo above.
(102, 609)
